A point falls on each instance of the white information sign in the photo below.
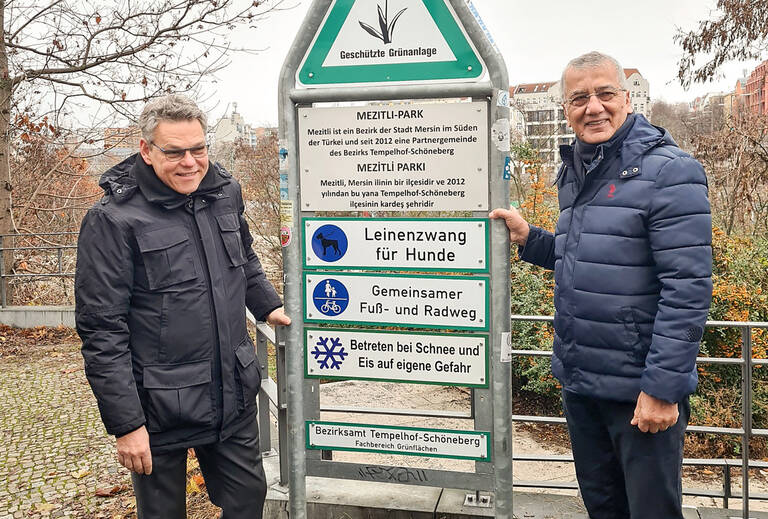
(396, 243)
(415, 441)
(411, 301)
(458, 360)
(410, 157)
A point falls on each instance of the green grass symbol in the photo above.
(386, 27)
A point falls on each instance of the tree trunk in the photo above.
(6, 222)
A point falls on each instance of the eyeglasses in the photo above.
(176, 155)
(605, 96)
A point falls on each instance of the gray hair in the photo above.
(173, 107)
(591, 60)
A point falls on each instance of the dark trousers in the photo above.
(624, 473)
(233, 472)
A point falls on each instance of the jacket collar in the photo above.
(123, 180)
(640, 137)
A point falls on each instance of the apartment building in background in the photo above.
(755, 95)
(710, 111)
(537, 116)
(121, 141)
(233, 128)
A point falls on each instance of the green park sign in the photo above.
(397, 41)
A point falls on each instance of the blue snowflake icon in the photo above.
(334, 353)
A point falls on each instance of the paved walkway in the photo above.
(54, 452)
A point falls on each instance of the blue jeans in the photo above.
(624, 473)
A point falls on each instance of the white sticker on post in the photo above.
(506, 347)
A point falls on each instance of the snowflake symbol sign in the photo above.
(334, 353)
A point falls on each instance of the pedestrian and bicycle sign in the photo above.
(455, 302)
(421, 358)
(424, 244)
(330, 297)
(389, 42)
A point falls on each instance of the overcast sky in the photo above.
(536, 38)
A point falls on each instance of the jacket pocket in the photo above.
(178, 395)
(167, 255)
(229, 224)
(248, 374)
(633, 337)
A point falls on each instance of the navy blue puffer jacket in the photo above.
(633, 264)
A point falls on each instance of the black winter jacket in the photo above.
(633, 264)
(161, 287)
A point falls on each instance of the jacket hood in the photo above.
(642, 136)
(121, 181)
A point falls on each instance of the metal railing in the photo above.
(57, 254)
(745, 432)
(272, 397)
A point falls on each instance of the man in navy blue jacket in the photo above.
(633, 263)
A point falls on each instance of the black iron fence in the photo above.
(42, 267)
(725, 466)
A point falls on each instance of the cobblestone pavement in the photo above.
(54, 451)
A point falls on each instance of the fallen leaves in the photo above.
(195, 484)
(111, 491)
(24, 341)
(192, 464)
(195, 481)
(80, 473)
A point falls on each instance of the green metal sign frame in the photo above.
(472, 433)
(325, 376)
(304, 251)
(466, 67)
(482, 328)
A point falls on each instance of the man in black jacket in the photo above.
(165, 271)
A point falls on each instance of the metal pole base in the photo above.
(478, 500)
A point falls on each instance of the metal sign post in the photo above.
(400, 105)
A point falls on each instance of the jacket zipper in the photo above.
(217, 375)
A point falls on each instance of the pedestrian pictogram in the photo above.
(330, 297)
(329, 356)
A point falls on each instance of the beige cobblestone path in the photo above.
(54, 452)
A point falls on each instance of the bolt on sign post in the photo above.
(397, 107)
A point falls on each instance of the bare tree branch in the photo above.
(738, 30)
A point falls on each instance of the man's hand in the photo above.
(518, 227)
(133, 451)
(277, 316)
(654, 415)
